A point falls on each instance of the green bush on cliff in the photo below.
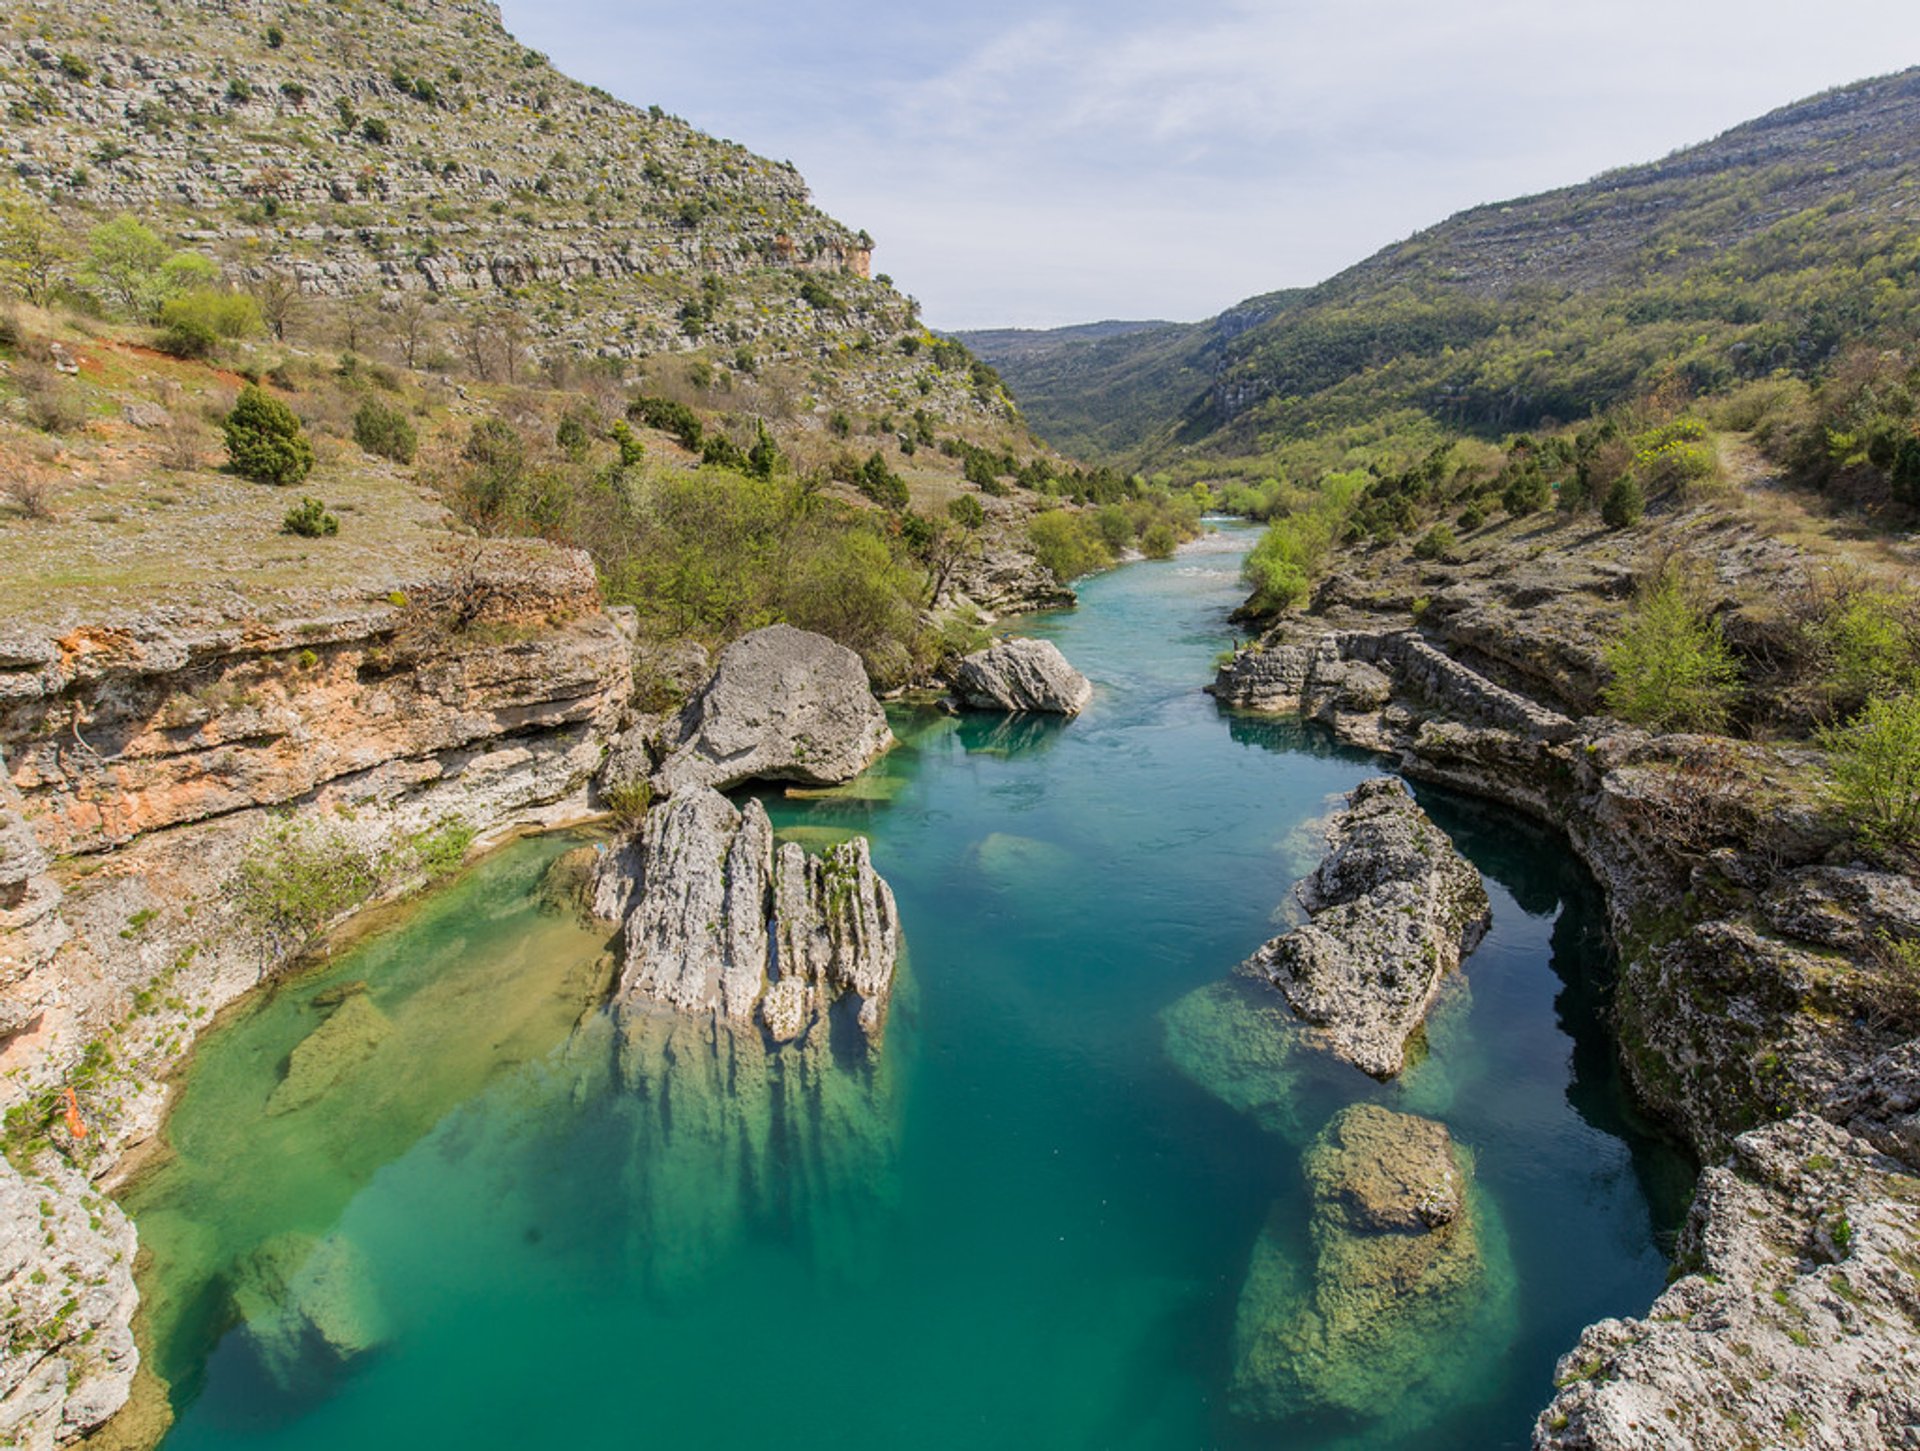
(1671, 666)
(1876, 769)
(265, 442)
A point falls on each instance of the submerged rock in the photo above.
(1021, 675)
(783, 705)
(344, 1041)
(1795, 1326)
(309, 1305)
(1398, 1294)
(726, 922)
(1393, 908)
(1237, 1040)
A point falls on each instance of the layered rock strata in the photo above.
(782, 705)
(1021, 676)
(148, 758)
(1394, 907)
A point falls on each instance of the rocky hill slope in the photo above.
(1769, 247)
(382, 151)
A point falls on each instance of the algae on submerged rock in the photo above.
(1407, 1284)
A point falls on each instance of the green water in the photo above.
(1027, 1229)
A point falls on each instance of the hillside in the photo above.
(1771, 247)
(363, 155)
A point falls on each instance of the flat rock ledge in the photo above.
(1394, 908)
(783, 705)
(722, 920)
(1021, 676)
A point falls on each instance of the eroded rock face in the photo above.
(1393, 907)
(1021, 675)
(783, 705)
(1400, 1288)
(1795, 1327)
(63, 1371)
(724, 922)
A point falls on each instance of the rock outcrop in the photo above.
(783, 705)
(1021, 675)
(726, 923)
(67, 1357)
(1399, 1292)
(1393, 909)
(1793, 1326)
(1763, 977)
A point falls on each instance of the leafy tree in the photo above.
(496, 470)
(1068, 545)
(880, 483)
(220, 313)
(1671, 666)
(33, 248)
(127, 261)
(265, 442)
(1876, 769)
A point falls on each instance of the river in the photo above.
(1029, 1230)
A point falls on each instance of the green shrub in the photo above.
(1436, 543)
(1868, 643)
(1157, 540)
(377, 131)
(628, 804)
(1671, 666)
(310, 520)
(967, 512)
(1067, 544)
(385, 431)
(1624, 504)
(1528, 492)
(1282, 566)
(265, 442)
(187, 338)
(297, 877)
(880, 483)
(1876, 769)
(222, 313)
(669, 417)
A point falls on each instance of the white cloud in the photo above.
(1094, 160)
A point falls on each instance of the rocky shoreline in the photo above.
(1731, 898)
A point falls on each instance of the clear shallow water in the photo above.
(1028, 1230)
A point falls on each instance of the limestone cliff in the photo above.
(151, 763)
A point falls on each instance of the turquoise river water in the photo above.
(1028, 1230)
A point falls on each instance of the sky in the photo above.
(1036, 164)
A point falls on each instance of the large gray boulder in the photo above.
(783, 705)
(724, 921)
(1021, 675)
(1393, 907)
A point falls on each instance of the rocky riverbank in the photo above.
(347, 751)
(1752, 1007)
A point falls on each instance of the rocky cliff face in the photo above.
(147, 759)
(1751, 989)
